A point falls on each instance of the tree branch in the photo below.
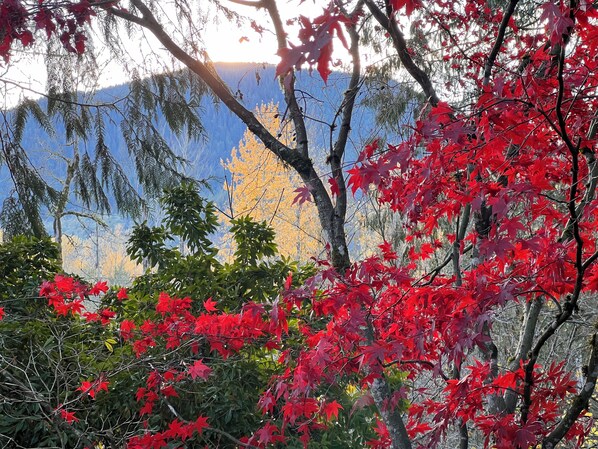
(175, 412)
(526, 339)
(389, 24)
(499, 41)
(254, 4)
(337, 153)
(579, 404)
(288, 82)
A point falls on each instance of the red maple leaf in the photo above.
(99, 287)
(557, 21)
(303, 195)
(199, 369)
(288, 281)
(126, 329)
(169, 391)
(410, 5)
(266, 402)
(334, 189)
(69, 417)
(64, 283)
(200, 424)
(87, 387)
(175, 429)
(210, 305)
(122, 294)
(330, 410)
(106, 315)
(266, 433)
(102, 385)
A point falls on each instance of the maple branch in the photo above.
(398, 39)
(568, 307)
(592, 184)
(338, 151)
(580, 402)
(526, 340)
(461, 423)
(288, 82)
(254, 4)
(413, 362)
(382, 395)
(590, 260)
(390, 415)
(499, 41)
(436, 271)
(559, 103)
(462, 224)
(571, 231)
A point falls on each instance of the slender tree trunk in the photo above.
(60, 209)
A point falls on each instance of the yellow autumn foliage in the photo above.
(102, 256)
(263, 188)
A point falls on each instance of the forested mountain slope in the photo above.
(255, 85)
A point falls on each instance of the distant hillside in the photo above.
(253, 85)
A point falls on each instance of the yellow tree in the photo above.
(263, 188)
(102, 256)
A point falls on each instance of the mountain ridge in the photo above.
(253, 84)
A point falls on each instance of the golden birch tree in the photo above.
(262, 187)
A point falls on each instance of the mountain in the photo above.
(253, 85)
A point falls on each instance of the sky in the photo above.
(224, 43)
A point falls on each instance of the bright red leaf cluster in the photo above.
(93, 388)
(67, 296)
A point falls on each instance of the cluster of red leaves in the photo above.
(67, 296)
(519, 148)
(67, 416)
(92, 388)
(89, 388)
(223, 333)
(508, 152)
(177, 430)
(414, 327)
(315, 49)
(20, 20)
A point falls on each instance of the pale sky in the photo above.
(223, 44)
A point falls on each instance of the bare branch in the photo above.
(389, 24)
(499, 41)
